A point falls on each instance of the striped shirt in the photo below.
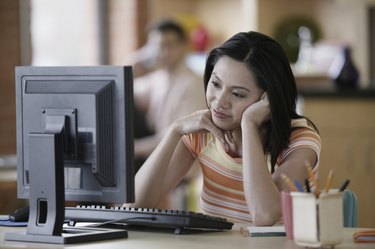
(223, 193)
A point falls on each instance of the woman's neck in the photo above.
(235, 146)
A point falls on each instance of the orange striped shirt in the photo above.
(222, 193)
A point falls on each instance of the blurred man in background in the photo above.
(165, 88)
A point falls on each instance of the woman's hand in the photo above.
(258, 112)
(201, 122)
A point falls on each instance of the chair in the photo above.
(350, 208)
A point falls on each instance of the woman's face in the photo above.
(230, 90)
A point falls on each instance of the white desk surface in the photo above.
(216, 240)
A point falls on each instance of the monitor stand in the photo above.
(47, 198)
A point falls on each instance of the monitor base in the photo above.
(69, 235)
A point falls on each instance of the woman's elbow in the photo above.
(266, 219)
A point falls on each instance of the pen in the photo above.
(298, 186)
(307, 184)
(329, 181)
(289, 182)
(344, 185)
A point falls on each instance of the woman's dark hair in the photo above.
(266, 59)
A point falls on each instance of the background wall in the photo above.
(10, 57)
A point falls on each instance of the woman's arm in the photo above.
(160, 173)
(262, 190)
(171, 159)
(261, 193)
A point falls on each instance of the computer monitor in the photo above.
(74, 142)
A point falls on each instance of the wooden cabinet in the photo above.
(347, 129)
(10, 57)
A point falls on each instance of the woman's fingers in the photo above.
(201, 121)
(258, 112)
(229, 136)
(217, 132)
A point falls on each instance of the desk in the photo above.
(163, 240)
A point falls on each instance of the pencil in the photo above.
(309, 170)
(329, 181)
(289, 182)
(313, 178)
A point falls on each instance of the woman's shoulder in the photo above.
(197, 141)
(303, 123)
(200, 136)
(304, 134)
(304, 131)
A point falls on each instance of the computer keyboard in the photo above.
(162, 218)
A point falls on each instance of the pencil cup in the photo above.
(287, 211)
(317, 222)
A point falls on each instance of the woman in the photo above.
(247, 138)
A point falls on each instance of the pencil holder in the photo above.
(317, 222)
(287, 212)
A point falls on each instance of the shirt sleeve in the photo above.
(196, 142)
(303, 137)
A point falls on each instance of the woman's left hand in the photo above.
(258, 112)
